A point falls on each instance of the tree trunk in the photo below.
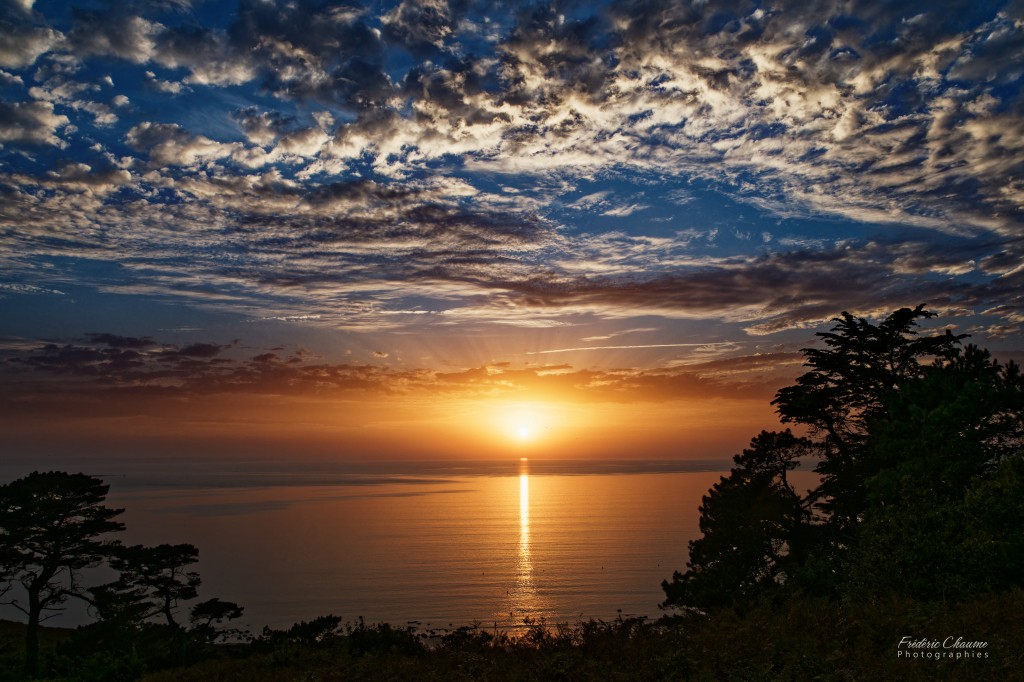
(37, 599)
(32, 635)
(169, 614)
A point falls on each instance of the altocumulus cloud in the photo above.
(354, 158)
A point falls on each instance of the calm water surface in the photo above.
(439, 548)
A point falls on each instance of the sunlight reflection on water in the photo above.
(523, 600)
(486, 549)
(437, 551)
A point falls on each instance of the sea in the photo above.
(428, 545)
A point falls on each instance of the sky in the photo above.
(458, 228)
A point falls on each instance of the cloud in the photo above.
(623, 211)
(423, 26)
(329, 158)
(114, 34)
(208, 55)
(164, 86)
(358, 250)
(263, 127)
(82, 177)
(605, 337)
(9, 79)
(169, 144)
(810, 107)
(771, 292)
(625, 347)
(33, 123)
(21, 45)
(117, 341)
(309, 51)
(132, 371)
(21, 288)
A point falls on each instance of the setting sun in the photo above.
(524, 422)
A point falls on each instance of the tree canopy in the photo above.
(51, 527)
(153, 580)
(749, 521)
(917, 439)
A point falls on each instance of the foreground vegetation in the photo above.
(915, 533)
(805, 639)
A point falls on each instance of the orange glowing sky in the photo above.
(270, 406)
(572, 229)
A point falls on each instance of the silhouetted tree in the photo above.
(944, 509)
(152, 581)
(209, 617)
(50, 525)
(753, 524)
(960, 416)
(849, 382)
(757, 531)
(121, 609)
(312, 633)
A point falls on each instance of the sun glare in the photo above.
(524, 423)
(527, 426)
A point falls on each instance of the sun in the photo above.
(524, 432)
(523, 423)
